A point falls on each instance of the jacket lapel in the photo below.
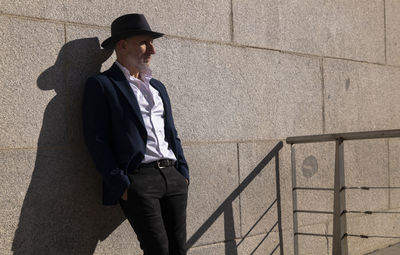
(163, 96)
(118, 78)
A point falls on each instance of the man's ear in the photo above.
(120, 45)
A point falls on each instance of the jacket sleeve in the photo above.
(96, 130)
(181, 163)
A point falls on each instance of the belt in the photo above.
(159, 164)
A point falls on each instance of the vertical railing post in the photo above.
(339, 242)
(278, 200)
(294, 201)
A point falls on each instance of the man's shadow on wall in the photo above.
(62, 211)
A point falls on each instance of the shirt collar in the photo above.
(145, 74)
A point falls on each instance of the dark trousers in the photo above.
(156, 210)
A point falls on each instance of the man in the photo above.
(130, 134)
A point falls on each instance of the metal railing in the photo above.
(339, 235)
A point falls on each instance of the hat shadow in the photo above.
(62, 211)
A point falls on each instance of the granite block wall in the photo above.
(242, 76)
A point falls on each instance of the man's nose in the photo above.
(150, 49)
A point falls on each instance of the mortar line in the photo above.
(207, 41)
(323, 94)
(68, 94)
(212, 243)
(36, 147)
(65, 33)
(327, 239)
(232, 23)
(183, 143)
(240, 193)
(230, 141)
(384, 30)
(54, 21)
(224, 241)
(309, 55)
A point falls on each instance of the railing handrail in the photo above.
(344, 136)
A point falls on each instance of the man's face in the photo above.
(138, 50)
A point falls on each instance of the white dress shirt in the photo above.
(152, 109)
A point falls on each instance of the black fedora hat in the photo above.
(126, 26)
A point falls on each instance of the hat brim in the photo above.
(110, 42)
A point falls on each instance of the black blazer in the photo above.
(115, 133)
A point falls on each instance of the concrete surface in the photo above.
(345, 28)
(242, 76)
(257, 199)
(394, 171)
(213, 86)
(315, 168)
(212, 182)
(360, 96)
(85, 42)
(207, 20)
(393, 32)
(24, 95)
(364, 162)
(391, 250)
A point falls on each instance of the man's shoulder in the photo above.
(105, 74)
(157, 83)
(99, 79)
(102, 78)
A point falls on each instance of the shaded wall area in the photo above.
(242, 76)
